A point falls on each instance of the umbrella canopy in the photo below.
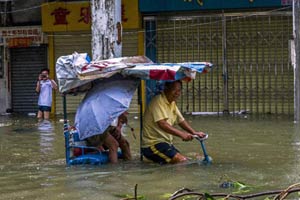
(107, 100)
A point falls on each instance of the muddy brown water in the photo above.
(262, 152)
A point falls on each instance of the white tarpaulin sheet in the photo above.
(77, 70)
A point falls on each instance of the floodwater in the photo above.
(262, 152)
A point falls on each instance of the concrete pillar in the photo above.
(106, 29)
(5, 96)
(296, 34)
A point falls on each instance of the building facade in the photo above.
(61, 29)
(248, 42)
(23, 52)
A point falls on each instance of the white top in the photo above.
(45, 97)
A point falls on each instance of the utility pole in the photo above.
(296, 34)
(106, 29)
(225, 70)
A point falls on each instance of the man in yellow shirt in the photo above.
(158, 131)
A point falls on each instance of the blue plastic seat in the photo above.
(88, 155)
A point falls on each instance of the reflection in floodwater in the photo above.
(45, 126)
(46, 130)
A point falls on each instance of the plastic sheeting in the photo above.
(76, 70)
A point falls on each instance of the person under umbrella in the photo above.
(102, 113)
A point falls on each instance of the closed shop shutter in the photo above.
(26, 64)
(130, 48)
(186, 39)
(130, 43)
(259, 74)
(66, 44)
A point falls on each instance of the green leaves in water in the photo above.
(166, 196)
(238, 186)
(208, 196)
(241, 187)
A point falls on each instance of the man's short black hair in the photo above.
(45, 69)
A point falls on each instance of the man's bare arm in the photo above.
(164, 125)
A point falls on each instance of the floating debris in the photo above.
(31, 114)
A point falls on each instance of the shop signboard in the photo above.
(16, 37)
(76, 16)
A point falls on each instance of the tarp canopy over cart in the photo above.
(111, 84)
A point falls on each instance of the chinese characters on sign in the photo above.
(19, 42)
(22, 36)
(77, 16)
(85, 14)
(22, 31)
(124, 19)
(130, 14)
(60, 15)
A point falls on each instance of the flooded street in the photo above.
(262, 152)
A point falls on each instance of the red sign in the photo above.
(19, 42)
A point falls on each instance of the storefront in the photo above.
(24, 53)
(68, 26)
(247, 41)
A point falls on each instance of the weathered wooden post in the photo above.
(296, 34)
(106, 29)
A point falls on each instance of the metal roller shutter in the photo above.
(26, 64)
(130, 48)
(259, 75)
(67, 43)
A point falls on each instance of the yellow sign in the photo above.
(131, 18)
(76, 16)
(61, 16)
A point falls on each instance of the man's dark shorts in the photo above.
(45, 108)
(161, 153)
